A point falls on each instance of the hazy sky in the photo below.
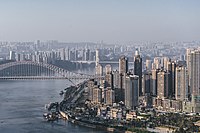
(113, 21)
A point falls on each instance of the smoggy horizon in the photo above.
(93, 21)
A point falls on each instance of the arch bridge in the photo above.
(38, 70)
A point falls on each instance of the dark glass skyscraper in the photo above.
(138, 69)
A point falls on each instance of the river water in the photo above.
(22, 106)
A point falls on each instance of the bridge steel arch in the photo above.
(60, 73)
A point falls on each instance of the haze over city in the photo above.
(92, 21)
(80, 66)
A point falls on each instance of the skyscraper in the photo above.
(154, 81)
(116, 78)
(97, 95)
(194, 67)
(12, 55)
(67, 54)
(90, 85)
(99, 70)
(108, 69)
(123, 64)
(172, 78)
(109, 80)
(138, 69)
(165, 62)
(156, 63)
(132, 91)
(162, 84)
(62, 54)
(109, 96)
(97, 57)
(146, 83)
(123, 69)
(181, 92)
(148, 64)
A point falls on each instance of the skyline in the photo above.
(93, 21)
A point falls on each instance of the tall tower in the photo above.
(148, 64)
(12, 55)
(156, 63)
(99, 70)
(108, 69)
(138, 69)
(172, 78)
(97, 57)
(162, 84)
(154, 82)
(132, 91)
(181, 83)
(109, 80)
(194, 67)
(116, 78)
(97, 95)
(165, 62)
(109, 96)
(123, 69)
(62, 54)
(123, 64)
(147, 76)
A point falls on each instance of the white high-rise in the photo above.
(12, 55)
(97, 57)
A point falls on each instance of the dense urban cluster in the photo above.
(157, 86)
(168, 85)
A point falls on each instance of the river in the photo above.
(22, 106)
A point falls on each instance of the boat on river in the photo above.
(64, 115)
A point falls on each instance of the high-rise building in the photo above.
(165, 61)
(97, 95)
(87, 55)
(148, 64)
(194, 75)
(109, 80)
(22, 57)
(76, 54)
(90, 85)
(147, 83)
(123, 64)
(132, 91)
(181, 92)
(109, 96)
(12, 55)
(116, 78)
(172, 78)
(123, 69)
(108, 69)
(97, 57)
(67, 54)
(162, 84)
(138, 69)
(156, 63)
(154, 81)
(188, 51)
(99, 70)
(62, 54)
